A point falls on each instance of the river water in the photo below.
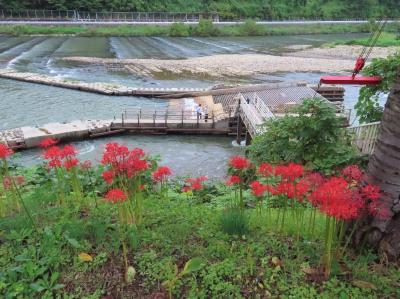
(31, 104)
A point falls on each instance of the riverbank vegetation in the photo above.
(205, 28)
(387, 39)
(227, 9)
(126, 229)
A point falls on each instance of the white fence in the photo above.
(365, 136)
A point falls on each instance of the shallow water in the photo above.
(185, 155)
(31, 104)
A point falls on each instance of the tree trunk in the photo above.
(383, 232)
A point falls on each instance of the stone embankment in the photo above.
(29, 137)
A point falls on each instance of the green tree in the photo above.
(368, 107)
(315, 137)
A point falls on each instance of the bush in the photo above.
(314, 137)
(206, 28)
(251, 28)
(178, 30)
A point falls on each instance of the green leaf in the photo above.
(74, 243)
(37, 287)
(193, 265)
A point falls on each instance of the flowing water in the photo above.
(31, 104)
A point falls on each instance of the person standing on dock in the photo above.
(199, 111)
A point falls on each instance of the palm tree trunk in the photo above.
(383, 232)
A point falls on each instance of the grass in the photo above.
(262, 263)
(387, 39)
(154, 30)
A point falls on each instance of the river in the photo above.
(30, 104)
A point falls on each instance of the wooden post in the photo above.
(239, 130)
(166, 118)
(122, 118)
(213, 120)
(154, 118)
(182, 118)
(248, 138)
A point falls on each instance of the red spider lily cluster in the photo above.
(194, 184)
(122, 162)
(5, 151)
(161, 174)
(116, 196)
(61, 157)
(344, 197)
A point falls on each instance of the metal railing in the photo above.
(163, 117)
(88, 16)
(148, 17)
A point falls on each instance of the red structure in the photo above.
(360, 63)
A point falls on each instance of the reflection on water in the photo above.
(186, 155)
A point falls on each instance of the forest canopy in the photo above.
(262, 9)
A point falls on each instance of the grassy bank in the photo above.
(387, 39)
(180, 30)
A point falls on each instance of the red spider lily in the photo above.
(114, 154)
(108, 176)
(53, 163)
(266, 170)
(301, 189)
(286, 188)
(371, 192)
(8, 181)
(379, 209)
(161, 173)
(123, 161)
(19, 180)
(48, 142)
(186, 189)
(68, 151)
(5, 151)
(116, 195)
(259, 189)
(134, 165)
(196, 183)
(352, 173)
(138, 152)
(53, 152)
(233, 180)
(142, 187)
(86, 165)
(239, 163)
(71, 162)
(314, 180)
(289, 172)
(335, 198)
